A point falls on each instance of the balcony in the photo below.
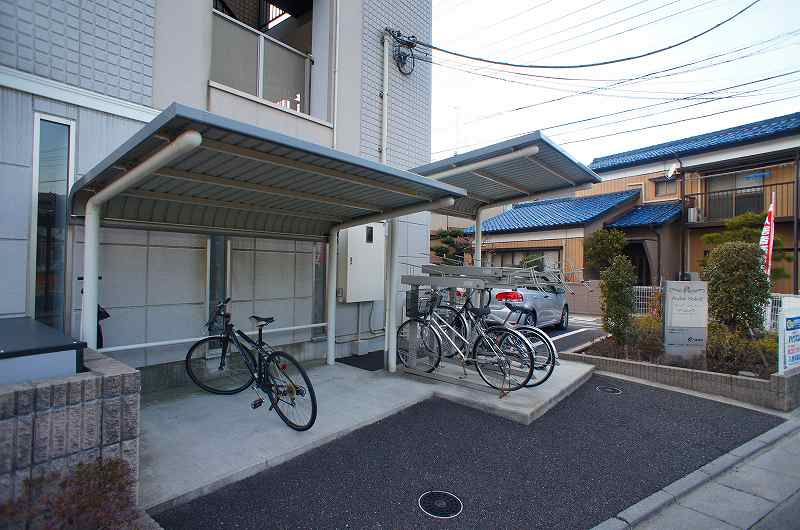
(718, 206)
(253, 63)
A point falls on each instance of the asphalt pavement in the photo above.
(591, 456)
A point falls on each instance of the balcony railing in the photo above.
(720, 205)
(247, 60)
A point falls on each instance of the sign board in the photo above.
(788, 334)
(685, 317)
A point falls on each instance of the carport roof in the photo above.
(510, 177)
(245, 180)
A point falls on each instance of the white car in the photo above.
(536, 307)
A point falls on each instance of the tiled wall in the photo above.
(101, 45)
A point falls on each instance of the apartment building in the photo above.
(80, 77)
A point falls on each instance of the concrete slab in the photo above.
(727, 504)
(779, 461)
(193, 442)
(522, 406)
(760, 482)
(675, 517)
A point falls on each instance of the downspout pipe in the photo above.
(186, 142)
(387, 43)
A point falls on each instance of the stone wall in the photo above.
(780, 392)
(52, 425)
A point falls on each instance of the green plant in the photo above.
(452, 244)
(747, 228)
(730, 351)
(616, 300)
(532, 260)
(738, 287)
(647, 337)
(601, 247)
(94, 496)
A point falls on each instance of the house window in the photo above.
(666, 187)
(54, 143)
(369, 234)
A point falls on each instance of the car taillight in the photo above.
(509, 296)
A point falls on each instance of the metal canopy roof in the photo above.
(244, 180)
(507, 171)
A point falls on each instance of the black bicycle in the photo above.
(214, 366)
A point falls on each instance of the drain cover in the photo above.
(608, 389)
(440, 504)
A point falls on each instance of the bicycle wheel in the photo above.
(503, 359)
(544, 355)
(417, 337)
(290, 391)
(217, 367)
(459, 323)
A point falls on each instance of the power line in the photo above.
(680, 121)
(515, 15)
(662, 6)
(622, 32)
(625, 111)
(408, 40)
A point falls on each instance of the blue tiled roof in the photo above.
(742, 134)
(552, 213)
(649, 214)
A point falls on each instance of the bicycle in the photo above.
(501, 356)
(213, 367)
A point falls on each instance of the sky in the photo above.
(477, 104)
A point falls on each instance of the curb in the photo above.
(669, 494)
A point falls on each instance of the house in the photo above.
(683, 190)
(76, 81)
(717, 175)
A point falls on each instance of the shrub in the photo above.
(738, 287)
(601, 247)
(730, 351)
(647, 338)
(94, 496)
(616, 298)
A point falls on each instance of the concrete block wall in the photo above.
(155, 288)
(101, 45)
(52, 425)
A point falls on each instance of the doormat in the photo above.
(372, 361)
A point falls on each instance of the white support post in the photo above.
(181, 145)
(478, 236)
(390, 326)
(91, 271)
(330, 296)
(387, 281)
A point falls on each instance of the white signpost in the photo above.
(685, 318)
(789, 334)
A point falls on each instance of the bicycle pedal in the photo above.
(256, 403)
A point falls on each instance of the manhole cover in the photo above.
(608, 389)
(440, 504)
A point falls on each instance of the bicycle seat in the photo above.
(479, 311)
(520, 307)
(261, 321)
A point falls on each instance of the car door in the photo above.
(542, 301)
(551, 300)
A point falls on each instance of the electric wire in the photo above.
(583, 65)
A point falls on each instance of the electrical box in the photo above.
(361, 266)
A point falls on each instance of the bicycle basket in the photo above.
(420, 304)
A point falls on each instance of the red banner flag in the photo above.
(767, 238)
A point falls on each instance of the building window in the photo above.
(53, 177)
(666, 187)
(369, 234)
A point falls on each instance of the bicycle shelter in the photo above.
(193, 171)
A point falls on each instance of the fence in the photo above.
(643, 298)
(644, 295)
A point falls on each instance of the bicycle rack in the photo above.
(482, 280)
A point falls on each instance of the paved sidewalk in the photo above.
(762, 491)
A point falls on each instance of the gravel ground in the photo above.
(590, 457)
